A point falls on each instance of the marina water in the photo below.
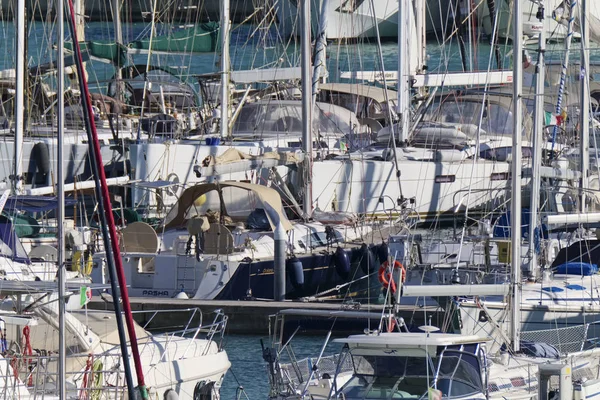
(260, 51)
(249, 370)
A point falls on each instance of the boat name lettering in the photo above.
(445, 178)
(155, 293)
(500, 176)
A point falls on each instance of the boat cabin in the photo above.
(413, 366)
(366, 101)
(281, 120)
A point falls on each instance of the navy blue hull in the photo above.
(320, 275)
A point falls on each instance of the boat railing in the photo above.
(298, 373)
(568, 339)
(190, 328)
(88, 377)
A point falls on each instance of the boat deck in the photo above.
(250, 316)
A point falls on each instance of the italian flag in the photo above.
(551, 119)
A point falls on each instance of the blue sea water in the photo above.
(249, 370)
(253, 48)
(249, 51)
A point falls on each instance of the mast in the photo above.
(60, 192)
(307, 143)
(19, 97)
(320, 49)
(119, 41)
(516, 175)
(403, 96)
(107, 223)
(584, 115)
(224, 68)
(565, 65)
(492, 9)
(538, 127)
(420, 25)
(117, 25)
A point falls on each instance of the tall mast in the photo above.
(584, 115)
(19, 97)
(119, 41)
(117, 22)
(306, 106)
(60, 191)
(536, 161)
(403, 48)
(224, 68)
(117, 276)
(516, 174)
(320, 49)
(420, 25)
(565, 65)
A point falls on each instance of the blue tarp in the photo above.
(10, 246)
(502, 225)
(35, 203)
(577, 268)
(539, 349)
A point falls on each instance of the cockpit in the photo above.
(452, 372)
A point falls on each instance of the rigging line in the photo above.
(454, 32)
(405, 113)
(145, 93)
(494, 41)
(478, 143)
(103, 201)
(563, 72)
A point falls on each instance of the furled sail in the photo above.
(563, 13)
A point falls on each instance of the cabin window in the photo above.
(497, 120)
(385, 377)
(458, 374)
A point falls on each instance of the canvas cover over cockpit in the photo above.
(235, 199)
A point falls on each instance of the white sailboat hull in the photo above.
(346, 22)
(346, 19)
(436, 187)
(357, 186)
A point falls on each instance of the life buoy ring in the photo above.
(385, 275)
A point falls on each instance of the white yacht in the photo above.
(189, 363)
(416, 365)
(355, 19)
(218, 242)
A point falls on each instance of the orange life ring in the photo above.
(386, 278)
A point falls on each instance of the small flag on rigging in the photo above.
(85, 295)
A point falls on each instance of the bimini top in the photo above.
(233, 199)
(409, 340)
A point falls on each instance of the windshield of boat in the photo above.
(275, 117)
(497, 119)
(410, 377)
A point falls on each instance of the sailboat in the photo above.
(386, 361)
(356, 20)
(93, 349)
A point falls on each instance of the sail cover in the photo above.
(201, 38)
